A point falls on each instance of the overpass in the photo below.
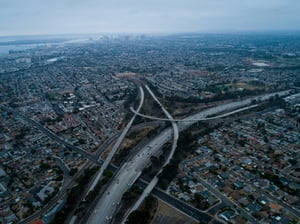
(155, 180)
(193, 119)
(117, 145)
(129, 172)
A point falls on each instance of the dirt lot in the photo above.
(168, 215)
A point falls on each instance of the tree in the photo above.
(293, 162)
(107, 173)
(138, 217)
(73, 171)
(59, 178)
(44, 166)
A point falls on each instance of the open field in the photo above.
(168, 215)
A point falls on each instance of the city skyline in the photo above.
(132, 16)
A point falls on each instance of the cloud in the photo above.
(80, 16)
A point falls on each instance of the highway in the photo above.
(113, 138)
(118, 143)
(154, 181)
(187, 122)
(109, 141)
(216, 110)
(194, 120)
(68, 181)
(124, 179)
(131, 169)
(106, 144)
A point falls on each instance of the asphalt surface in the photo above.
(94, 158)
(118, 143)
(154, 181)
(131, 170)
(124, 179)
(68, 181)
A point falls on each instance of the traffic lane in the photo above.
(107, 204)
(233, 105)
(160, 139)
(106, 144)
(126, 176)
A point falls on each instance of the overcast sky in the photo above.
(18, 17)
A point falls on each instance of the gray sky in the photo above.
(19, 17)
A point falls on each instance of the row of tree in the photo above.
(144, 215)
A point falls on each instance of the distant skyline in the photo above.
(39, 17)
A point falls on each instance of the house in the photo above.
(45, 192)
(3, 191)
(295, 186)
(184, 197)
(220, 184)
(243, 201)
(274, 207)
(2, 173)
(205, 194)
(227, 215)
(238, 185)
(262, 200)
(224, 175)
(253, 207)
(279, 220)
(7, 215)
(212, 200)
(38, 221)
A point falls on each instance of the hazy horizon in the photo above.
(66, 17)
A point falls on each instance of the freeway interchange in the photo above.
(130, 171)
(124, 179)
